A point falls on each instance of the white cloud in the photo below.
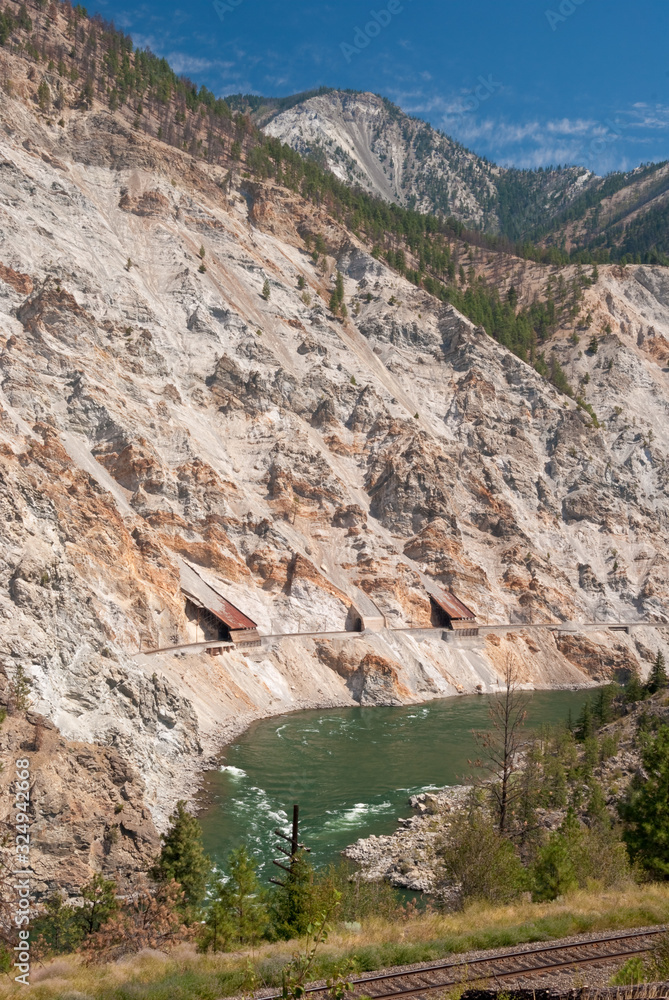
(565, 126)
(145, 42)
(181, 62)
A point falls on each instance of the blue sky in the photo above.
(523, 82)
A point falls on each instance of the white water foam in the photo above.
(349, 819)
(418, 789)
(234, 772)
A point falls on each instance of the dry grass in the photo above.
(184, 975)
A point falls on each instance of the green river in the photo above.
(350, 769)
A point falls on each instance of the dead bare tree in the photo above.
(502, 746)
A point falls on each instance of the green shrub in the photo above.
(482, 863)
(576, 855)
(359, 900)
(632, 973)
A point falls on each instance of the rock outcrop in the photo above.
(368, 142)
(87, 807)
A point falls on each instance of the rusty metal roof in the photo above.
(455, 609)
(230, 615)
(220, 607)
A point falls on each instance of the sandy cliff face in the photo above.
(155, 415)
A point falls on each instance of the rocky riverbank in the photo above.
(407, 858)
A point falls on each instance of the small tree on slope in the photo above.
(646, 808)
(239, 912)
(501, 746)
(183, 860)
(658, 680)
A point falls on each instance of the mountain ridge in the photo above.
(365, 139)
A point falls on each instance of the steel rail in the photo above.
(494, 961)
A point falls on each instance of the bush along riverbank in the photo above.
(558, 832)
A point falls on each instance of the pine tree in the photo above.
(585, 727)
(59, 927)
(337, 297)
(6, 26)
(24, 20)
(217, 930)
(266, 290)
(603, 707)
(554, 872)
(292, 906)
(44, 96)
(19, 691)
(598, 814)
(646, 809)
(182, 858)
(657, 680)
(239, 913)
(634, 689)
(99, 904)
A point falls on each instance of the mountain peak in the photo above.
(367, 141)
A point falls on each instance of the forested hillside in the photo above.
(369, 142)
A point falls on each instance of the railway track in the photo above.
(193, 647)
(491, 969)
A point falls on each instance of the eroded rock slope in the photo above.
(157, 411)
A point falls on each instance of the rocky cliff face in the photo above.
(368, 142)
(157, 411)
(88, 812)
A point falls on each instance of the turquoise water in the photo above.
(350, 769)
